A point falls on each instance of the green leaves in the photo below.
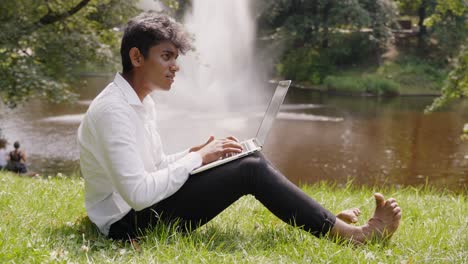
(44, 44)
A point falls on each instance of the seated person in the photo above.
(17, 160)
(131, 184)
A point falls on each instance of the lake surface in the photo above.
(316, 137)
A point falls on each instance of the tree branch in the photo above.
(51, 18)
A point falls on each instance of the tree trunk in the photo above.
(325, 16)
(422, 28)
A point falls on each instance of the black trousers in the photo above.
(207, 194)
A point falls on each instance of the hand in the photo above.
(197, 148)
(215, 149)
(211, 138)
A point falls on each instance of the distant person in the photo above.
(3, 154)
(17, 159)
(131, 184)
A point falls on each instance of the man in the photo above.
(131, 184)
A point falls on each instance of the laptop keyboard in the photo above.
(245, 146)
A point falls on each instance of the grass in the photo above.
(43, 220)
(415, 76)
(369, 84)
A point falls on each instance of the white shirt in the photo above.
(121, 156)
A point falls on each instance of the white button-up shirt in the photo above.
(121, 156)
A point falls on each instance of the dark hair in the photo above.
(16, 145)
(150, 29)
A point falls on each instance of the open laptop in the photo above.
(255, 144)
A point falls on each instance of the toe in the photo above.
(391, 203)
(379, 199)
(398, 215)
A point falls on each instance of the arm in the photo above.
(174, 157)
(116, 133)
(168, 159)
(23, 156)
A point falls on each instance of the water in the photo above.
(316, 137)
(225, 66)
(221, 91)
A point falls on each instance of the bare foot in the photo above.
(381, 226)
(349, 216)
(385, 221)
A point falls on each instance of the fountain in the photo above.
(222, 74)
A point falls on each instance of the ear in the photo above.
(136, 57)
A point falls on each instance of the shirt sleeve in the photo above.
(168, 159)
(117, 132)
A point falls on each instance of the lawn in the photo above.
(43, 220)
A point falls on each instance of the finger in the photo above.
(232, 144)
(211, 138)
(233, 138)
(231, 150)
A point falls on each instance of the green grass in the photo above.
(414, 76)
(369, 84)
(44, 220)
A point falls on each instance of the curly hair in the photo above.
(149, 29)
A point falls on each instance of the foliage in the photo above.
(456, 85)
(370, 84)
(312, 22)
(413, 73)
(42, 43)
(305, 64)
(44, 221)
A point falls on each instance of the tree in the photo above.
(313, 22)
(456, 85)
(43, 43)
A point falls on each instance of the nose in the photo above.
(174, 67)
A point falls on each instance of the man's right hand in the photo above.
(218, 148)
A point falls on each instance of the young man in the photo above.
(131, 184)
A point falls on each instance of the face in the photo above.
(160, 67)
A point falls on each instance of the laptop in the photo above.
(255, 144)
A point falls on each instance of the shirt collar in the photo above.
(129, 93)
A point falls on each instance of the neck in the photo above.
(137, 82)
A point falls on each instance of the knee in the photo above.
(253, 164)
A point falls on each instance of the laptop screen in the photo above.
(272, 111)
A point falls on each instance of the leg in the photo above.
(206, 195)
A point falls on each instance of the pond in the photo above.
(374, 141)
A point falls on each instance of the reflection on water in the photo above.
(316, 137)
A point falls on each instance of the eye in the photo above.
(166, 57)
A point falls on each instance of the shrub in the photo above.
(378, 85)
(350, 48)
(372, 84)
(305, 65)
(344, 84)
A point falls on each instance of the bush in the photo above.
(344, 84)
(412, 72)
(305, 65)
(349, 49)
(377, 85)
(372, 84)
